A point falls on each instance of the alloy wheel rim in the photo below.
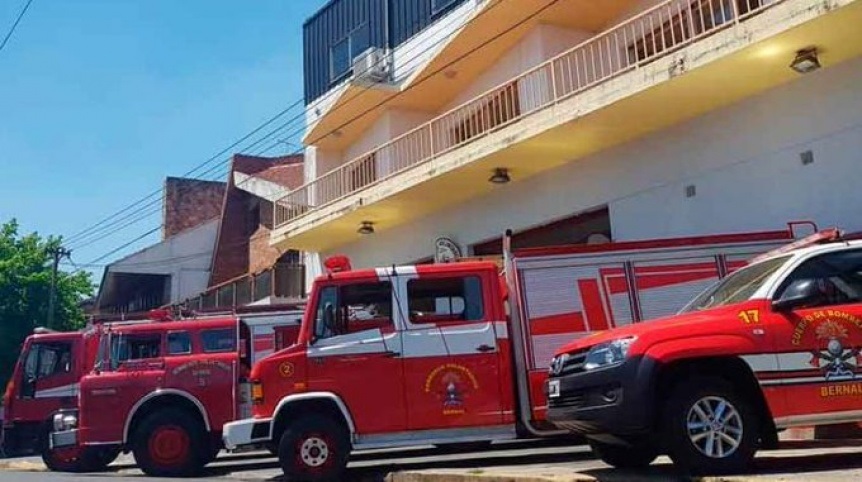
(714, 427)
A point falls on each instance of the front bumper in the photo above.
(65, 438)
(616, 400)
(246, 432)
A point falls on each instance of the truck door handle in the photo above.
(484, 348)
(391, 354)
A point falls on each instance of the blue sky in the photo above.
(100, 100)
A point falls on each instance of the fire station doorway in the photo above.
(589, 227)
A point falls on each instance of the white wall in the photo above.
(743, 160)
(186, 257)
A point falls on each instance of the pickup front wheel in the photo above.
(314, 448)
(709, 428)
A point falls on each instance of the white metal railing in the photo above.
(650, 35)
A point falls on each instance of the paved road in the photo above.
(801, 461)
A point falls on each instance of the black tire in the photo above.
(314, 448)
(272, 448)
(102, 457)
(635, 455)
(741, 424)
(171, 443)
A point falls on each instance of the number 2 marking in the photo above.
(750, 317)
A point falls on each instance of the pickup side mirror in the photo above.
(802, 292)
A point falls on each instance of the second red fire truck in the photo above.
(455, 353)
(160, 389)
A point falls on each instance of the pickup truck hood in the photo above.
(696, 322)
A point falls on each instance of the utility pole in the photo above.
(57, 254)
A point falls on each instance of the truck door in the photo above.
(49, 379)
(820, 342)
(355, 353)
(451, 361)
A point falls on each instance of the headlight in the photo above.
(64, 421)
(608, 354)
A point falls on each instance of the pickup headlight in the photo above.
(608, 354)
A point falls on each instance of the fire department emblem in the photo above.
(834, 359)
(451, 384)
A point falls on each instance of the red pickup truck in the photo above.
(774, 345)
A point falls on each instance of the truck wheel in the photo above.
(709, 428)
(314, 448)
(634, 456)
(170, 443)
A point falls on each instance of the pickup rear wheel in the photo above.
(170, 443)
(709, 428)
(314, 448)
(636, 455)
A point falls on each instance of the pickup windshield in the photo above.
(737, 287)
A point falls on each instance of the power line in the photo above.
(78, 235)
(15, 25)
(300, 116)
(381, 103)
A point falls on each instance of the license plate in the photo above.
(553, 388)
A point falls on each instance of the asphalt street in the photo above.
(796, 461)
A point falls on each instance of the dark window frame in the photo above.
(350, 39)
(210, 331)
(465, 316)
(188, 337)
(440, 7)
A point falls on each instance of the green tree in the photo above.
(25, 286)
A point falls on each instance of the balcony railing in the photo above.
(652, 34)
(283, 281)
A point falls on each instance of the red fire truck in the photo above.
(48, 385)
(434, 354)
(774, 345)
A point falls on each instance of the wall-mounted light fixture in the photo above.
(500, 176)
(806, 60)
(366, 227)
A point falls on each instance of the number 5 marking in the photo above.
(749, 317)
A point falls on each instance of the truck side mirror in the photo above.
(802, 292)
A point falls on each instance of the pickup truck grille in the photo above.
(575, 363)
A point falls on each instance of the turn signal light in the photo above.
(256, 391)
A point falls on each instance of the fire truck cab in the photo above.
(45, 380)
(163, 391)
(774, 345)
(456, 353)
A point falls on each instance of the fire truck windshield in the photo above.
(737, 287)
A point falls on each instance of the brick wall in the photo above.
(190, 202)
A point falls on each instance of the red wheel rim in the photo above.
(169, 446)
(315, 452)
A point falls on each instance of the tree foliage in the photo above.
(25, 285)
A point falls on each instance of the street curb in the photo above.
(478, 476)
(23, 466)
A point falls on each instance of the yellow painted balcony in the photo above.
(677, 60)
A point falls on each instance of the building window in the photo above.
(438, 6)
(342, 53)
(445, 300)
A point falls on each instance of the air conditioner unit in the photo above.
(371, 65)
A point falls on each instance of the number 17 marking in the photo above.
(750, 317)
